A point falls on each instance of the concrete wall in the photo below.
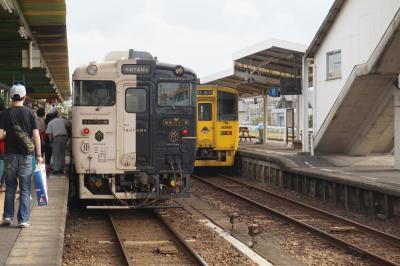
(356, 32)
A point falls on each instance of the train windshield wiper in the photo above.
(172, 106)
(102, 103)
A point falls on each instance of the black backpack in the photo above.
(24, 141)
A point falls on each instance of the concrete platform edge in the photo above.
(290, 166)
(63, 223)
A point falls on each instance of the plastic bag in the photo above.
(41, 185)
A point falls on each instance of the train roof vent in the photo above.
(121, 55)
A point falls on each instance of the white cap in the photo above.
(18, 89)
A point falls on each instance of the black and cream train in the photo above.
(133, 131)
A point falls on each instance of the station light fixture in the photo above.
(7, 5)
(23, 33)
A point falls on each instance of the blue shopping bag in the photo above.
(41, 184)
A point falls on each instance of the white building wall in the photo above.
(356, 32)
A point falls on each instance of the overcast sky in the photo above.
(200, 34)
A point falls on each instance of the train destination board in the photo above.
(95, 122)
(175, 122)
(130, 69)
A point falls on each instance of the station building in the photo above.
(350, 75)
(355, 65)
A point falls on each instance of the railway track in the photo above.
(379, 247)
(143, 238)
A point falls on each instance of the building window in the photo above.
(334, 65)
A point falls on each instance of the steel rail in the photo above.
(394, 239)
(199, 260)
(337, 241)
(120, 242)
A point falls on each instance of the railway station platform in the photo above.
(41, 243)
(367, 183)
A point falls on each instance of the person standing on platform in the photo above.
(2, 174)
(42, 129)
(57, 133)
(48, 150)
(19, 122)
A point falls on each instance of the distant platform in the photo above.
(42, 243)
(375, 170)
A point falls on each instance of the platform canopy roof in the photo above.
(33, 47)
(260, 66)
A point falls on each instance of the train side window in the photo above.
(135, 100)
(204, 112)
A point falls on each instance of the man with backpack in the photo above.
(18, 126)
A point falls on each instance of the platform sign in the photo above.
(274, 92)
(290, 86)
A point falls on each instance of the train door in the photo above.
(205, 124)
(137, 103)
(132, 127)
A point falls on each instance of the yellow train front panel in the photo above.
(217, 126)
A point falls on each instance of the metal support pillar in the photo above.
(30, 55)
(305, 140)
(265, 131)
(397, 126)
(297, 118)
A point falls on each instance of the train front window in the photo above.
(204, 112)
(135, 100)
(227, 106)
(174, 94)
(94, 93)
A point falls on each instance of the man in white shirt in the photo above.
(57, 132)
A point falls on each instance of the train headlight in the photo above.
(185, 132)
(92, 69)
(179, 70)
(85, 131)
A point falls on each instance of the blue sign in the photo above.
(274, 92)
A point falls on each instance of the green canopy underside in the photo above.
(46, 20)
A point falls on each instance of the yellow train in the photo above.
(217, 126)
